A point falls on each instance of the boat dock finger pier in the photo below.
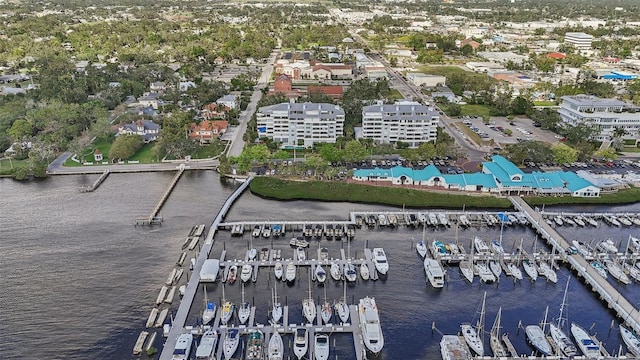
(615, 301)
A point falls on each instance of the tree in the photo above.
(520, 106)
(20, 130)
(607, 154)
(535, 151)
(315, 162)
(563, 153)
(354, 151)
(125, 146)
(580, 132)
(329, 152)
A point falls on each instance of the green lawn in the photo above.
(209, 151)
(544, 103)
(482, 111)
(103, 145)
(395, 95)
(631, 149)
(145, 154)
(7, 167)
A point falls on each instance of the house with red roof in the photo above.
(207, 130)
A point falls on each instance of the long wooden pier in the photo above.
(97, 183)
(615, 301)
(192, 286)
(153, 217)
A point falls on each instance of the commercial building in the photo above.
(405, 121)
(579, 40)
(606, 114)
(300, 125)
(420, 79)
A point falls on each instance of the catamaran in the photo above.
(230, 343)
(370, 325)
(473, 336)
(380, 260)
(276, 347)
(589, 348)
(206, 348)
(563, 343)
(484, 273)
(631, 340)
(300, 343)
(244, 311)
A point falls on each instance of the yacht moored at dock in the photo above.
(380, 260)
(370, 325)
(631, 340)
(207, 347)
(434, 272)
(586, 344)
(182, 349)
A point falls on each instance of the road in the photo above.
(237, 142)
(56, 168)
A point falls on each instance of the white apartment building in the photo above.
(606, 114)
(579, 40)
(300, 125)
(405, 121)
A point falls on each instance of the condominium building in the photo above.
(579, 40)
(300, 125)
(404, 121)
(606, 114)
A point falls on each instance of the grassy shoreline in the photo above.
(279, 189)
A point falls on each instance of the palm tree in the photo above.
(619, 132)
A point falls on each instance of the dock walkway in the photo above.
(615, 301)
(192, 286)
(153, 215)
(97, 183)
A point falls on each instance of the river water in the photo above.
(79, 279)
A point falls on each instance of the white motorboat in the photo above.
(321, 275)
(252, 253)
(247, 270)
(443, 219)
(301, 255)
(230, 343)
(616, 271)
(582, 248)
(591, 221)
(569, 221)
(171, 277)
(463, 220)
(421, 248)
(579, 220)
(321, 347)
(634, 243)
(451, 348)
(335, 271)
(514, 270)
(433, 219)
(497, 247)
(631, 340)
(183, 347)
(480, 246)
(364, 271)
(548, 272)
(255, 345)
(392, 219)
(484, 273)
(589, 348)
(625, 221)
(496, 269)
(439, 248)
(380, 260)
(299, 242)
(278, 270)
(613, 221)
(275, 350)
(266, 231)
(370, 325)
(599, 268)
(633, 271)
(538, 339)
(244, 310)
(257, 230)
(233, 274)
(350, 273)
(608, 246)
(558, 220)
(324, 254)
(434, 272)
(290, 273)
(530, 269)
(466, 268)
(300, 343)
(206, 348)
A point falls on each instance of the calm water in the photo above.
(80, 279)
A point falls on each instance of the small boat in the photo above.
(443, 219)
(226, 311)
(579, 221)
(161, 317)
(634, 243)
(275, 350)
(548, 272)
(321, 347)
(171, 277)
(301, 255)
(608, 246)
(257, 230)
(278, 269)
(530, 269)
(625, 221)
(251, 254)
(599, 268)
(538, 339)
(209, 312)
(350, 273)
(480, 246)
(497, 247)
(276, 230)
(299, 242)
(207, 346)
(255, 345)
(300, 343)
(589, 348)
(324, 254)
(558, 220)
(569, 221)
(433, 219)
(290, 273)
(591, 221)
(326, 312)
(247, 270)
(392, 219)
(466, 268)
(336, 274)
(264, 254)
(276, 307)
(364, 271)
(233, 273)
(266, 231)
(230, 343)
(309, 306)
(170, 295)
(421, 248)
(178, 276)
(382, 220)
(329, 231)
(514, 270)
(452, 348)
(439, 248)
(613, 221)
(582, 248)
(380, 260)
(370, 325)
(484, 273)
(631, 340)
(137, 348)
(616, 271)
(162, 295)
(321, 275)
(463, 220)
(183, 347)
(434, 272)
(152, 317)
(496, 269)
(633, 271)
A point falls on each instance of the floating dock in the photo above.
(137, 348)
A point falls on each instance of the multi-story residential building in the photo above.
(579, 40)
(300, 125)
(404, 121)
(606, 114)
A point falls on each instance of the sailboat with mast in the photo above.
(325, 310)
(475, 336)
(537, 338)
(563, 343)
(309, 306)
(227, 309)
(496, 341)
(210, 309)
(244, 310)
(276, 309)
(341, 307)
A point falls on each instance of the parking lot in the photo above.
(498, 129)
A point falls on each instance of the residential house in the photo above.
(230, 101)
(145, 128)
(183, 86)
(206, 131)
(150, 100)
(214, 111)
(158, 86)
